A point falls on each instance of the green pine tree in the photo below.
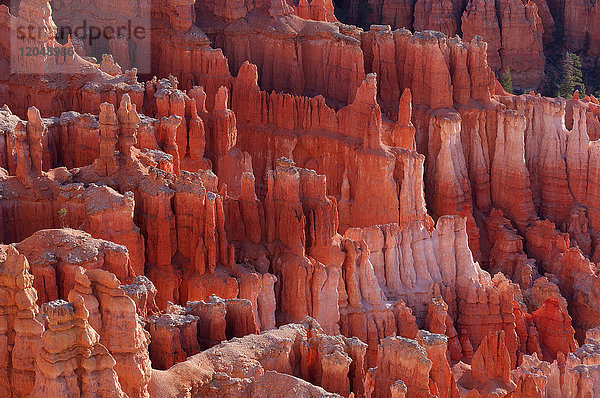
(62, 214)
(573, 77)
(506, 80)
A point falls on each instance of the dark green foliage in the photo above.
(506, 80)
(549, 84)
(62, 214)
(573, 76)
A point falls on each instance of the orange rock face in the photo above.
(489, 373)
(113, 315)
(402, 359)
(55, 256)
(293, 206)
(481, 18)
(514, 30)
(70, 341)
(21, 341)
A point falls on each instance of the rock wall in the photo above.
(379, 182)
(84, 365)
(21, 332)
(113, 314)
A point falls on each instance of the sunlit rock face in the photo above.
(285, 205)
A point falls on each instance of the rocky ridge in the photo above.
(278, 231)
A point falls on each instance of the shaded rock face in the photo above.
(173, 339)
(514, 30)
(355, 213)
(182, 331)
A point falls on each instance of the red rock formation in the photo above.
(554, 326)
(353, 121)
(438, 321)
(114, 316)
(229, 161)
(480, 18)
(183, 331)
(286, 222)
(108, 65)
(522, 49)
(489, 373)
(405, 360)
(548, 20)
(143, 293)
(378, 49)
(507, 254)
(336, 363)
(168, 127)
(371, 321)
(173, 338)
(319, 10)
(300, 69)
(437, 15)
(448, 183)
(593, 31)
(20, 336)
(441, 379)
(292, 350)
(580, 25)
(56, 255)
(402, 133)
(99, 210)
(211, 315)
(549, 312)
(571, 377)
(510, 178)
(547, 167)
(90, 86)
(200, 66)
(581, 368)
(70, 344)
(396, 13)
(573, 271)
(533, 372)
(513, 31)
(406, 323)
(315, 206)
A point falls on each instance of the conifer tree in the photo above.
(573, 79)
(506, 80)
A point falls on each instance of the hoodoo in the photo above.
(224, 198)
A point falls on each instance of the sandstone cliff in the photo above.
(299, 207)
